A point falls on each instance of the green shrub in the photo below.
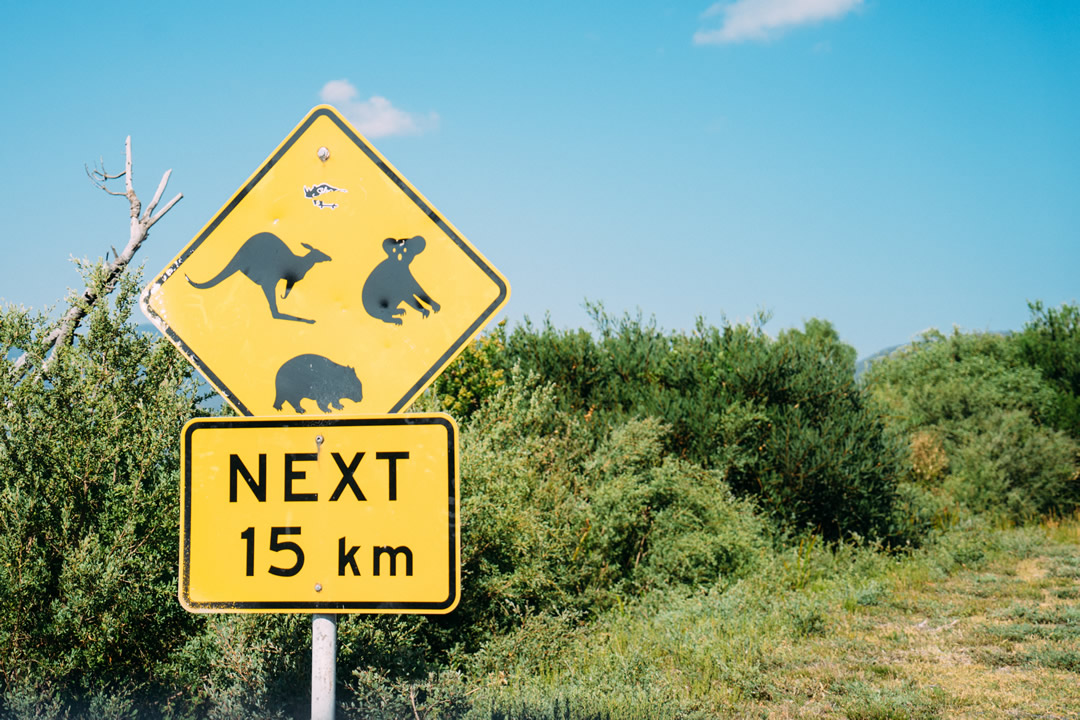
(475, 376)
(947, 383)
(1012, 464)
(782, 420)
(523, 510)
(976, 415)
(88, 508)
(658, 521)
(923, 511)
(560, 515)
(1050, 342)
(373, 694)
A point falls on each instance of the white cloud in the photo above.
(337, 91)
(375, 117)
(761, 19)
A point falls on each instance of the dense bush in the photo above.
(561, 515)
(977, 417)
(475, 376)
(782, 420)
(1050, 342)
(88, 507)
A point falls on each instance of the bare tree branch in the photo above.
(157, 193)
(136, 206)
(100, 177)
(141, 222)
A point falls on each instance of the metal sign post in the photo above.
(323, 666)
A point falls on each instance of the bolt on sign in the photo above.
(328, 514)
(326, 283)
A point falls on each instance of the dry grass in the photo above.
(985, 625)
(1000, 641)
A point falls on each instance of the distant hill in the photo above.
(863, 365)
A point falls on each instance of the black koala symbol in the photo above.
(391, 282)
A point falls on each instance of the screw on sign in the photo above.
(326, 284)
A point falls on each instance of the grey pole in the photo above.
(323, 666)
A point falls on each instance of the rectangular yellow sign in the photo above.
(330, 514)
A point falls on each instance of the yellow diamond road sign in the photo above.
(327, 283)
(327, 514)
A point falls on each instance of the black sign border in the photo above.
(440, 607)
(332, 115)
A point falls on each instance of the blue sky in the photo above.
(888, 165)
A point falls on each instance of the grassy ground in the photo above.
(984, 625)
(1000, 638)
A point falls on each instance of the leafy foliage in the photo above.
(556, 520)
(88, 478)
(1051, 342)
(476, 375)
(782, 420)
(987, 413)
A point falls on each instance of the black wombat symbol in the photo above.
(316, 378)
(391, 282)
(266, 260)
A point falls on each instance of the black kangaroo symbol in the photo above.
(266, 261)
(391, 282)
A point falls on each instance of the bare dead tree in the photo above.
(141, 222)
